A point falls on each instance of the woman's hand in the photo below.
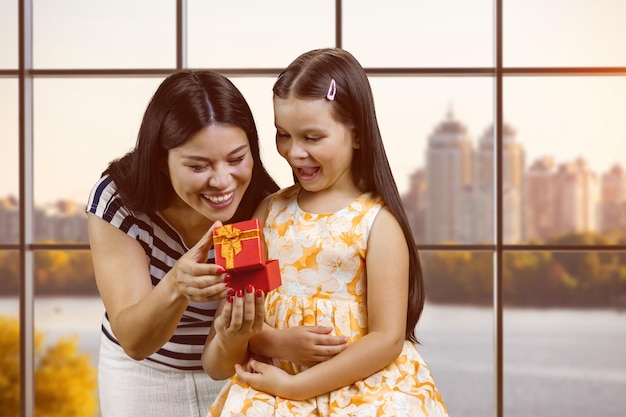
(195, 279)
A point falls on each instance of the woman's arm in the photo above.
(143, 318)
(387, 288)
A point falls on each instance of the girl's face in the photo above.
(317, 146)
(212, 170)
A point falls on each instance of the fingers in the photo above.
(200, 251)
(246, 312)
(320, 329)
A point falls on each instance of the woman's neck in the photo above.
(189, 224)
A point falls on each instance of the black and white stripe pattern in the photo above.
(163, 247)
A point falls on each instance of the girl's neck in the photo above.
(327, 201)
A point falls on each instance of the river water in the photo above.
(557, 362)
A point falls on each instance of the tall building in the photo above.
(539, 193)
(449, 165)
(577, 199)
(513, 164)
(613, 191)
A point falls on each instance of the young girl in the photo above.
(348, 259)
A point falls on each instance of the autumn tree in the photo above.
(65, 380)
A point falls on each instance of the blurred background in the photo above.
(503, 121)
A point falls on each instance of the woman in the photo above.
(196, 164)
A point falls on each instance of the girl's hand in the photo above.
(267, 378)
(242, 316)
(310, 345)
(196, 280)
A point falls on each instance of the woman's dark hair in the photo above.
(185, 103)
(309, 77)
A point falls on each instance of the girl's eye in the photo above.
(280, 135)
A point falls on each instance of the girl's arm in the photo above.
(238, 318)
(387, 263)
(143, 318)
(304, 345)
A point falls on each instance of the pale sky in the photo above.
(81, 124)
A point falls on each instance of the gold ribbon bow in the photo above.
(230, 238)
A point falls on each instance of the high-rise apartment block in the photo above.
(453, 198)
(613, 197)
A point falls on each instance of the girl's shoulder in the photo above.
(287, 193)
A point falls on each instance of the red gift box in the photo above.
(266, 278)
(239, 246)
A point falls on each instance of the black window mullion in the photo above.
(26, 219)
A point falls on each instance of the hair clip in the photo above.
(332, 90)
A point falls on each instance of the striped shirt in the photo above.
(163, 246)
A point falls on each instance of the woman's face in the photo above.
(212, 170)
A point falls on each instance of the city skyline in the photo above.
(543, 198)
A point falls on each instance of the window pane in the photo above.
(8, 34)
(105, 34)
(456, 329)
(80, 125)
(564, 334)
(258, 93)
(564, 33)
(572, 131)
(68, 315)
(430, 127)
(9, 162)
(406, 33)
(257, 34)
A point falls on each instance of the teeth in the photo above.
(219, 198)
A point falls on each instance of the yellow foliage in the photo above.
(65, 380)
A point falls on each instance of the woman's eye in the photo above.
(238, 160)
(280, 135)
(312, 138)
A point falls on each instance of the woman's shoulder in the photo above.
(103, 191)
(105, 200)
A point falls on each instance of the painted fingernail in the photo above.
(231, 292)
(249, 289)
(230, 299)
(220, 269)
(240, 293)
(227, 277)
(259, 293)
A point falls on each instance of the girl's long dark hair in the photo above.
(309, 76)
(185, 103)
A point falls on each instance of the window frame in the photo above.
(25, 74)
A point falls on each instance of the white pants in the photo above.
(130, 388)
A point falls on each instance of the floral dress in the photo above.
(322, 261)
